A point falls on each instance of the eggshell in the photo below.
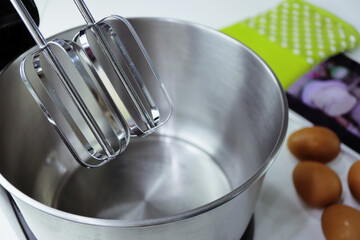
(314, 143)
(354, 180)
(341, 222)
(316, 184)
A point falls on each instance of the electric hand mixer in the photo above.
(107, 80)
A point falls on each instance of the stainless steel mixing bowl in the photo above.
(198, 177)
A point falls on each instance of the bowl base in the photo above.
(155, 177)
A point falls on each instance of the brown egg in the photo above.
(316, 184)
(341, 222)
(354, 180)
(315, 144)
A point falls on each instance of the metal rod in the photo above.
(29, 23)
(84, 11)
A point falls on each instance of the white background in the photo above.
(279, 213)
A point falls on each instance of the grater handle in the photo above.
(29, 23)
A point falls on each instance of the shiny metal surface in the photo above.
(62, 82)
(198, 177)
(97, 89)
(118, 43)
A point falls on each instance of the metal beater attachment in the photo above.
(97, 90)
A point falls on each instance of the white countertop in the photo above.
(279, 213)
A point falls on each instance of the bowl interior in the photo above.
(229, 118)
